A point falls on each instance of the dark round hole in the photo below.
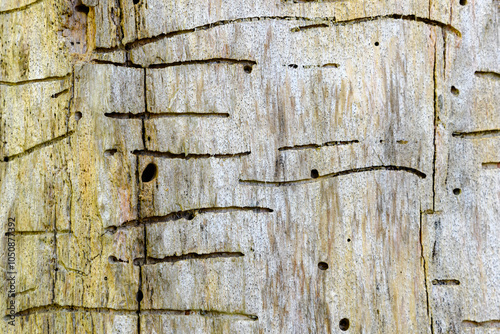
(136, 2)
(82, 9)
(348, 240)
(56, 269)
(376, 43)
(149, 173)
(323, 265)
(105, 278)
(139, 296)
(314, 174)
(454, 90)
(463, 2)
(457, 191)
(344, 324)
(247, 69)
(78, 116)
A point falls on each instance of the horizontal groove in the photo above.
(36, 232)
(54, 308)
(109, 62)
(185, 257)
(204, 313)
(445, 282)
(18, 9)
(488, 74)
(477, 134)
(312, 146)
(187, 156)
(108, 50)
(206, 61)
(335, 174)
(332, 22)
(26, 82)
(181, 63)
(319, 21)
(38, 146)
(148, 115)
(56, 95)
(149, 40)
(491, 165)
(20, 293)
(485, 324)
(113, 259)
(327, 65)
(188, 215)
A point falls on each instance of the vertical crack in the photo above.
(435, 128)
(139, 295)
(426, 281)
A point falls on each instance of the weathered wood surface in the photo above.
(312, 162)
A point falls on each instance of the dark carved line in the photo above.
(148, 115)
(487, 324)
(188, 215)
(184, 257)
(308, 146)
(206, 313)
(25, 82)
(181, 63)
(295, 66)
(187, 156)
(38, 146)
(445, 282)
(69, 308)
(108, 62)
(56, 95)
(479, 133)
(327, 22)
(335, 174)
(488, 74)
(18, 9)
(53, 308)
(205, 61)
(144, 41)
(491, 165)
(107, 50)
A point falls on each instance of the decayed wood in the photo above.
(250, 166)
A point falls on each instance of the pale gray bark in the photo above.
(251, 166)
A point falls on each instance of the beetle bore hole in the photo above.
(82, 9)
(376, 43)
(149, 173)
(139, 296)
(457, 191)
(136, 2)
(323, 265)
(344, 324)
(247, 69)
(78, 116)
(454, 90)
(314, 174)
(463, 2)
(348, 240)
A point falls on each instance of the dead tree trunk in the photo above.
(250, 166)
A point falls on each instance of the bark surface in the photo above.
(250, 166)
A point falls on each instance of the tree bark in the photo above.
(250, 166)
